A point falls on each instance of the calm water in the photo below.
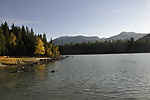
(82, 77)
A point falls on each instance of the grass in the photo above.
(16, 61)
(20, 61)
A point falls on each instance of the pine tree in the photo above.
(44, 38)
(23, 33)
(5, 29)
(12, 39)
(2, 43)
(32, 33)
(51, 41)
(12, 44)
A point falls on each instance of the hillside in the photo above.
(145, 38)
(126, 35)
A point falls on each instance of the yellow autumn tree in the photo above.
(39, 48)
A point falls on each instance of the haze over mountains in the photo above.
(79, 39)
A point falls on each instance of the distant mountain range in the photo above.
(79, 39)
(74, 39)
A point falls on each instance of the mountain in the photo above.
(74, 39)
(145, 38)
(79, 39)
(126, 35)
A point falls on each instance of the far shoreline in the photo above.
(106, 53)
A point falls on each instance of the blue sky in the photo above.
(103, 18)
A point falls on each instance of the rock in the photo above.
(31, 64)
(22, 68)
(14, 71)
(20, 71)
(33, 70)
(26, 70)
(53, 71)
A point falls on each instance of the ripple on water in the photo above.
(86, 77)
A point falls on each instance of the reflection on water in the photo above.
(41, 71)
(82, 77)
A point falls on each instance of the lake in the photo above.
(81, 77)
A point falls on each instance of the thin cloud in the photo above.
(18, 21)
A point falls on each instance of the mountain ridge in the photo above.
(74, 39)
(126, 35)
(79, 39)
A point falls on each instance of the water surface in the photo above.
(81, 77)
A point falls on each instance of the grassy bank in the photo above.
(23, 61)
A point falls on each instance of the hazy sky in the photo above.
(56, 18)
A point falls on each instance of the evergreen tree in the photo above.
(12, 44)
(44, 38)
(51, 41)
(12, 39)
(2, 43)
(32, 33)
(5, 29)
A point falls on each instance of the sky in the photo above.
(102, 18)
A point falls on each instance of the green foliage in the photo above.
(56, 53)
(12, 39)
(2, 43)
(20, 41)
(52, 51)
(107, 47)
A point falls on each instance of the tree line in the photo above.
(108, 47)
(22, 41)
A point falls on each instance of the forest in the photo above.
(141, 45)
(22, 41)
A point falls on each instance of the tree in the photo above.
(45, 44)
(23, 33)
(49, 49)
(39, 49)
(12, 39)
(32, 33)
(44, 38)
(49, 52)
(56, 53)
(24, 41)
(12, 44)
(51, 41)
(5, 29)
(2, 43)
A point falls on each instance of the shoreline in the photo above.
(30, 61)
(107, 53)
